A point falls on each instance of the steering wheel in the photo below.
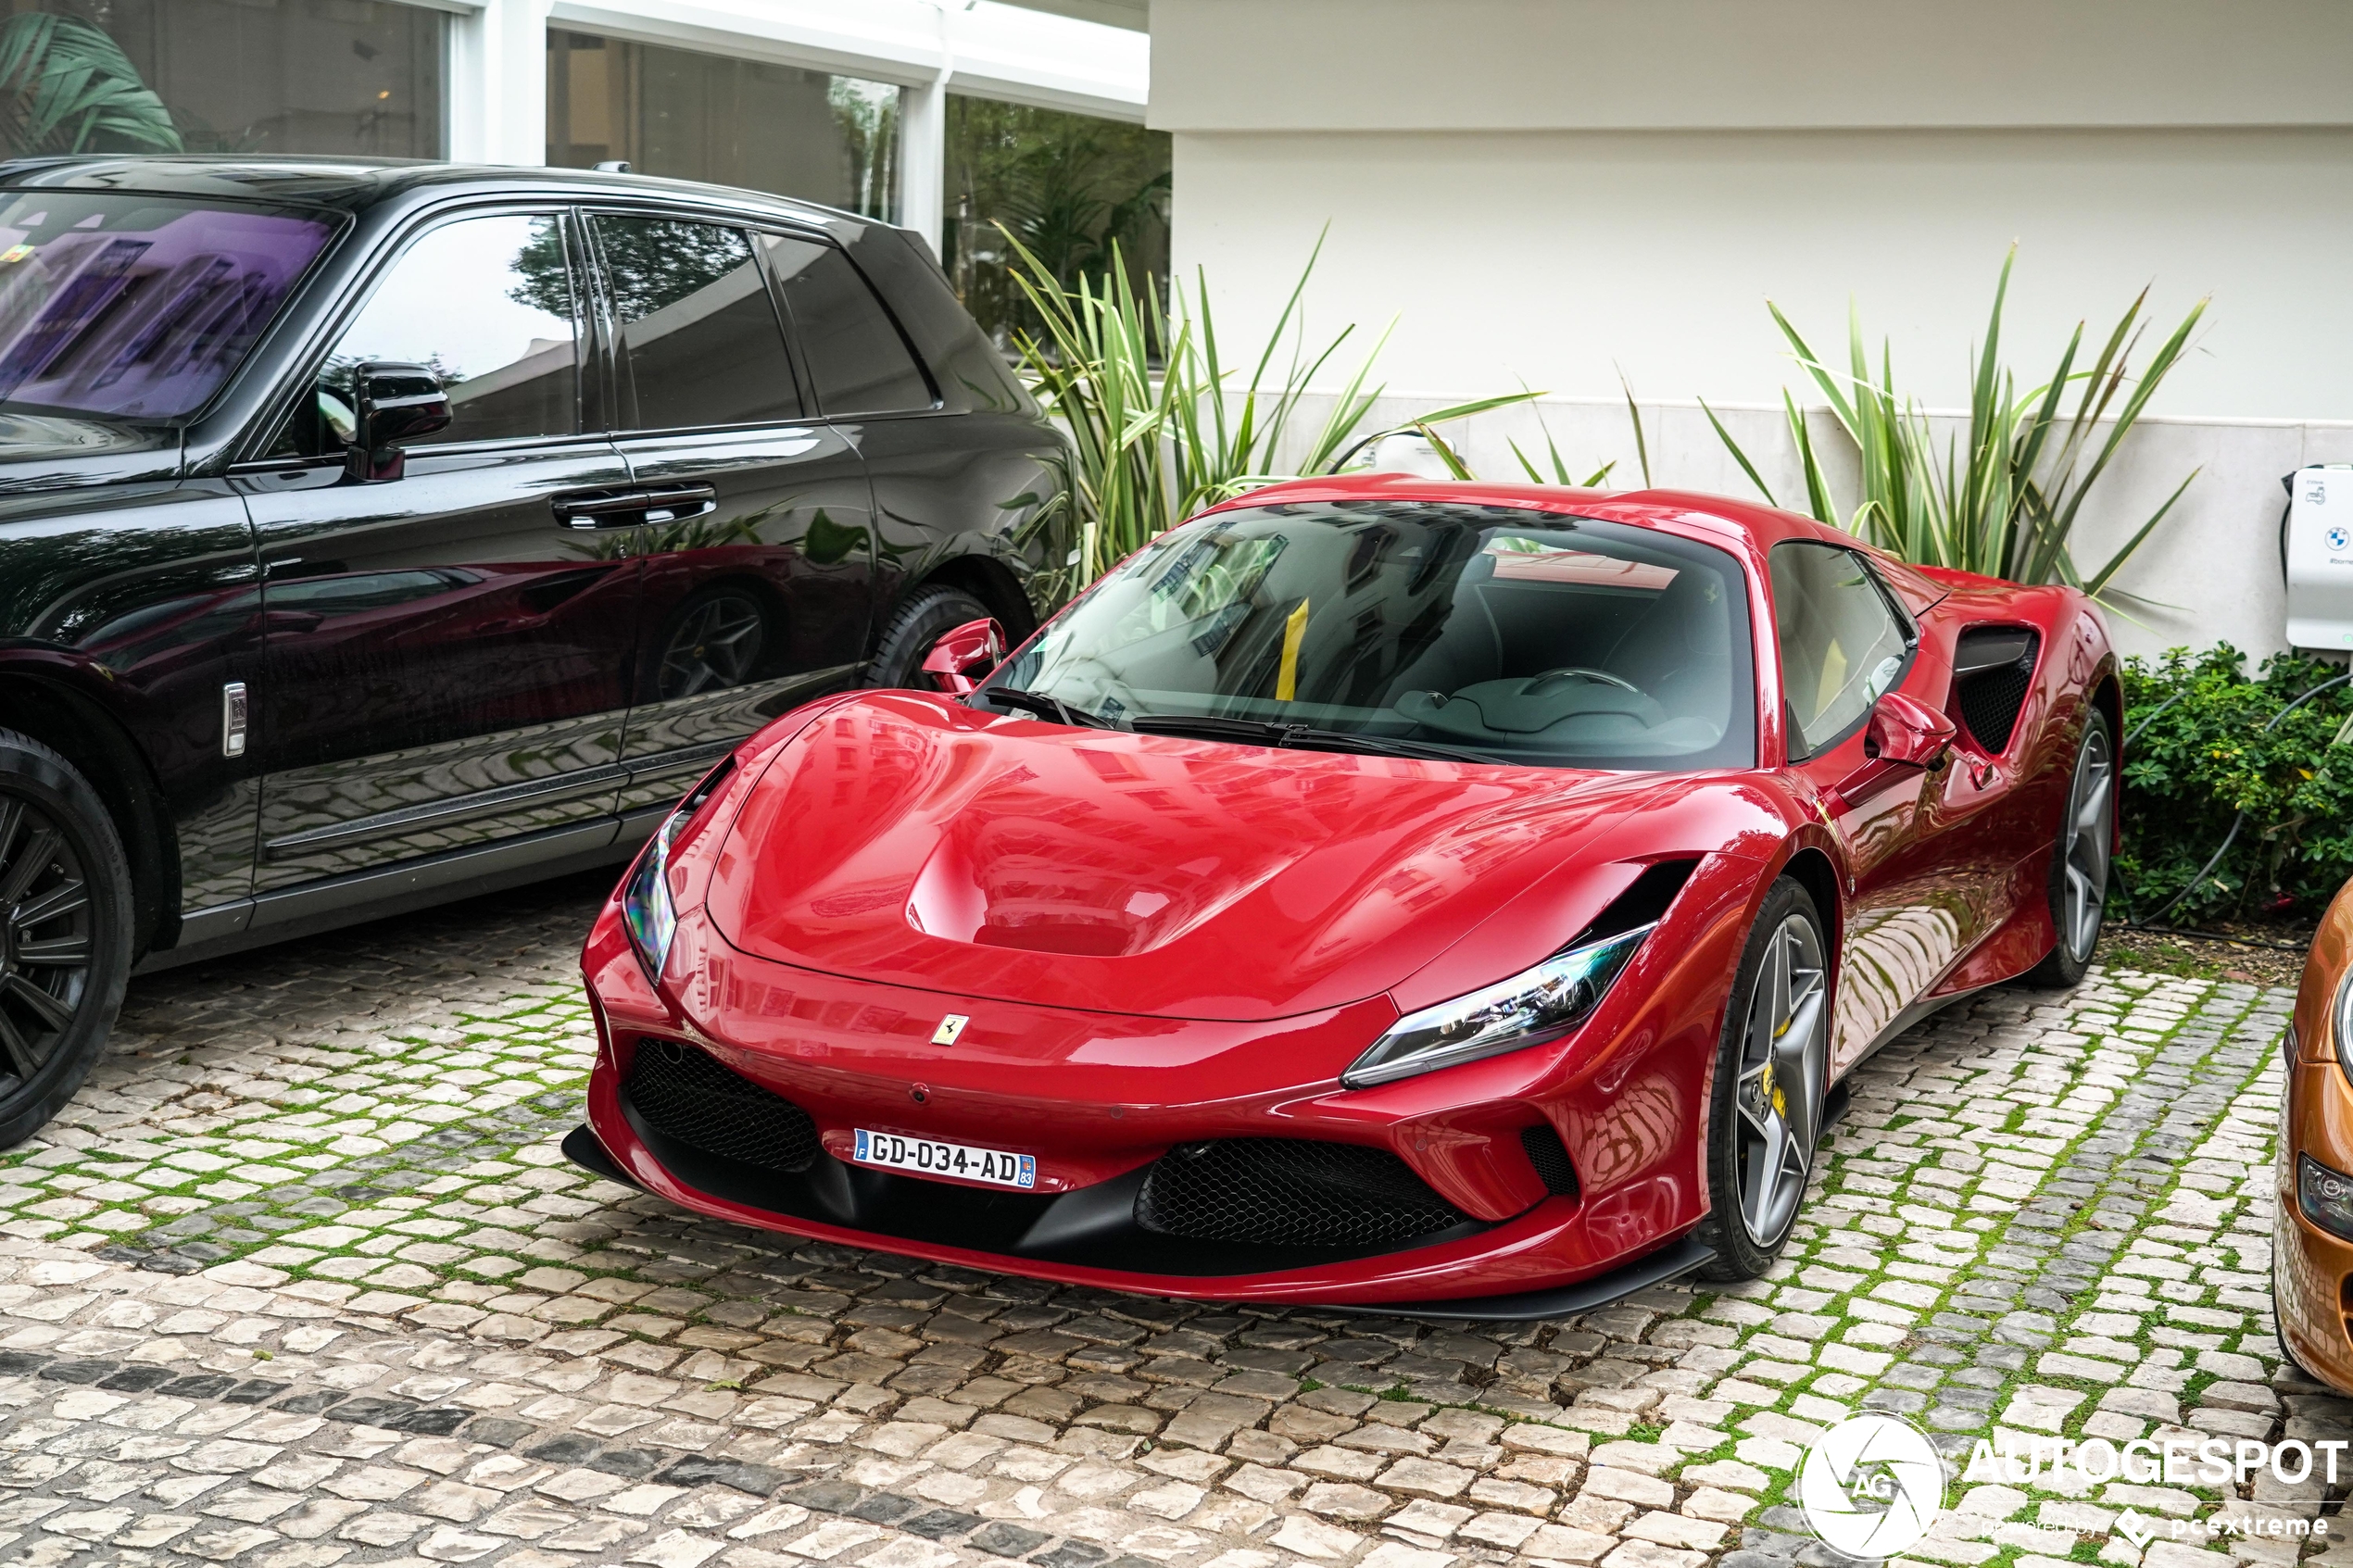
(1604, 677)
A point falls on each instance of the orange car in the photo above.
(2312, 1234)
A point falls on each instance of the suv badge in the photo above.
(949, 1028)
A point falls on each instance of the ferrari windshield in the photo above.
(1501, 633)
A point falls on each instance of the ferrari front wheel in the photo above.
(1772, 1061)
(2079, 860)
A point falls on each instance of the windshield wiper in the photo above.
(1303, 737)
(1044, 707)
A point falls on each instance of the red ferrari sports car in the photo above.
(1461, 898)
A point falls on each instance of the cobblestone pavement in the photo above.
(301, 1279)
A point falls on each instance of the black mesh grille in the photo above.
(1286, 1192)
(685, 1095)
(1544, 1152)
(1990, 699)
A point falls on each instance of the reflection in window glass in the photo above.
(1505, 635)
(137, 307)
(855, 355)
(486, 304)
(697, 327)
(1842, 648)
(349, 77)
(830, 139)
(1069, 186)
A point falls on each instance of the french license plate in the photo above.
(928, 1157)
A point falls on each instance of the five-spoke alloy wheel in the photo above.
(1772, 1067)
(716, 642)
(2080, 857)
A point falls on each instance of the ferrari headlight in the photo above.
(1538, 1005)
(646, 908)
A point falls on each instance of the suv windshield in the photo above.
(1506, 634)
(118, 307)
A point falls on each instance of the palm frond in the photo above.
(66, 87)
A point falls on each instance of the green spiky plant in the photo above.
(66, 87)
(2004, 498)
(1160, 427)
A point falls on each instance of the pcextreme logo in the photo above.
(1871, 1486)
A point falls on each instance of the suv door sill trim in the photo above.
(410, 884)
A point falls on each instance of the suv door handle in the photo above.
(628, 508)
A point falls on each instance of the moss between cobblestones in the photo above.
(1943, 1152)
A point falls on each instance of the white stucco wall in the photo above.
(1553, 192)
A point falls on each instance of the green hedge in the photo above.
(2203, 754)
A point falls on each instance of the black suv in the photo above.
(373, 535)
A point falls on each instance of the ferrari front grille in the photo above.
(689, 1098)
(1289, 1192)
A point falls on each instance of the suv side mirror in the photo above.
(1905, 731)
(393, 403)
(961, 659)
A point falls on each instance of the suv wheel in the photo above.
(65, 932)
(918, 623)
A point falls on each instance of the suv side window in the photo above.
(700, 340)
(852, 348)
(487, 303)
(1842, 646)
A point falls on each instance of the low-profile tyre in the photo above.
(65, 932)
(911, 630)
(2080, 859)
(1765, 1117)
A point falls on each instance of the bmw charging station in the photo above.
(2316, 546)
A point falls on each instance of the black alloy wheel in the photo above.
(65, 932)
(714, 642)
(1765, 1117)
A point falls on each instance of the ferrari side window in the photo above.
(1841, 646)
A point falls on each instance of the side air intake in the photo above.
(1546, 1152)
(1992, 671)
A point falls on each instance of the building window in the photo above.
(1069, 186)
(829, 139)
(348, 77)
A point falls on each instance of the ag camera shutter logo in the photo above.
(1871, 1486)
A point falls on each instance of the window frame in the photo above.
(621, 378)
(792, 329)
(1794, 739)
(300, 383)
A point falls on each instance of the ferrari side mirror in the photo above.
(961, 659)
(1903, 729)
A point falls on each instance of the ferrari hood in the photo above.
(913, 841)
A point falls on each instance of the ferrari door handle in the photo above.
(628, 508)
